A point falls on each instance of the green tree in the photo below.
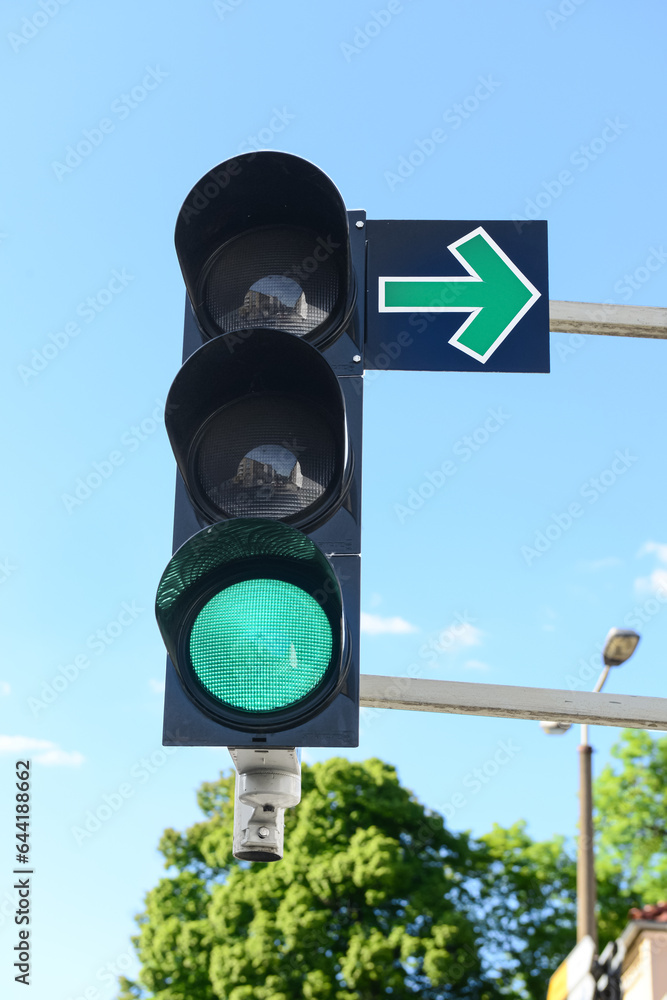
(375, 897)
(631, 817)
(528, 907)
(370, 900)
(528, 891)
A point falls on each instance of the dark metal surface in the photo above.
(419, 341)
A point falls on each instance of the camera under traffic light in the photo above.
(259, 605)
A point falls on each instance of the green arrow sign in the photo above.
(494, 292)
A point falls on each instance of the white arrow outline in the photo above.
(473, 310)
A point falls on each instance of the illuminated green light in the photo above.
(261, 645)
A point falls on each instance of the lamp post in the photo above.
(619, 646)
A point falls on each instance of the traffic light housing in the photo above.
(259, 605)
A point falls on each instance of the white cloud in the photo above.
(23, 744)
(476, 665)
(60, 758)
(595, 565)
(650, 584)
(42, 751)
(377, 625)
(157, 687)
(468, 635)
(659, 549)
(657, 580)
(5, 689)
(456, 636)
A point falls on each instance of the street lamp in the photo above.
(619, 646)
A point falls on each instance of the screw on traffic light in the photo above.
(259, 605)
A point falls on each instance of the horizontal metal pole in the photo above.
(608, 319)
(504, 701)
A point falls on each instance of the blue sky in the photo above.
(553, 110)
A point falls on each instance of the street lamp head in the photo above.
(555, 728)
(619, 646)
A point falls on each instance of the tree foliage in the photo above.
(631, 815)
(375, 897)
(369, 901)
(529, 908)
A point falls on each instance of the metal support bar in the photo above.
(505, 701)
(608, 319)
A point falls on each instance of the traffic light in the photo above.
(259, 605)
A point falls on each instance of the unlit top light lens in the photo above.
(278, 278)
